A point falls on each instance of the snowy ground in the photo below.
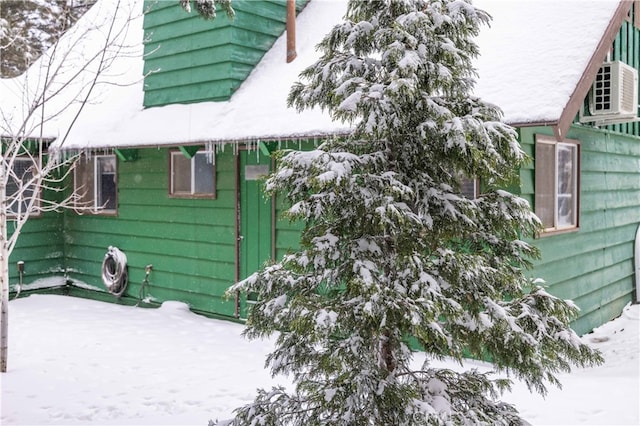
(75, 361)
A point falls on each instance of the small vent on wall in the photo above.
(614, 95)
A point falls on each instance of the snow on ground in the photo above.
(81, 362)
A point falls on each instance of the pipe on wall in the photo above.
(291, 30)
(238, 235)
(636, 262)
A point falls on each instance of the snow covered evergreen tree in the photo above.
(392, 251)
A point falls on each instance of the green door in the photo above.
(255, 218)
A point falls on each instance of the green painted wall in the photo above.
(594, 265)
(41, 247)
(189, 59)
(189, 242)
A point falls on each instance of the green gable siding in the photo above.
(189, 59)
(189, 242)
(594, 265)
(626, 48)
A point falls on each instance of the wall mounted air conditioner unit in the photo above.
(614, 95)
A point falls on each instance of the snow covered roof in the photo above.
(539, 57)
(534, 60)
(96, 63)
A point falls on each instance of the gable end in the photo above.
(584, 85)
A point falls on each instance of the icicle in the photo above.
(210, 152)
(56, 155)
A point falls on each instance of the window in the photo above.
(557, 171)
(22, 172)
(96, 184)
(470, 188)
(192, 177)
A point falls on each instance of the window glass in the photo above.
(194, 177)
(83, 181)
(203, 174)
(181, 173)
(106, 187)
(566, 185)
(470, 188)
(23, 171)
(556, 184)
(545, 182)
(96, 185)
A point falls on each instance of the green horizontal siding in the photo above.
(594, 265)
(40, 246)
(189, 242)
(189, 59)
(287, 232)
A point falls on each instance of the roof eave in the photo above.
(589, 74)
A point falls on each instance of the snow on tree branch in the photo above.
(394, 256)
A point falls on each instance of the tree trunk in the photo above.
(4, 274)
(387, 357)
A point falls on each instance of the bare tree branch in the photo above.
(47, 102)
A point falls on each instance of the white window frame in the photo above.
(574, 184)
(210, 159)
(90, 197)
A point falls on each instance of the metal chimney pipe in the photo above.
(291, 30)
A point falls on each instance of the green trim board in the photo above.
(126, 154)
(189, 151)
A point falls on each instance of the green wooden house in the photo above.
(173, 161)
